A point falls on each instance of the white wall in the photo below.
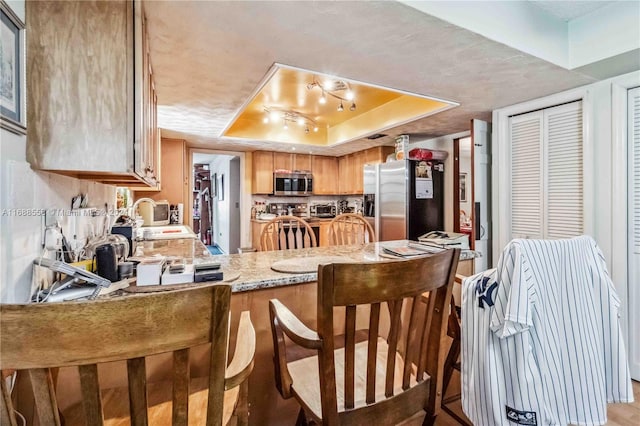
(226, 212)
(614, 29)
(23, 194)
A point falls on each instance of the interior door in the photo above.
(634, 230)
(481, 155)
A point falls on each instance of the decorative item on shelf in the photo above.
(402, 147)
(286, 117)
(338, 89)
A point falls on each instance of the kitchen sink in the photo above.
(168, 232)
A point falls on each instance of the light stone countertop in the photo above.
(255, 268)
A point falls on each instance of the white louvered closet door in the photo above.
(633, 137)
(526, 175)
(563, 192)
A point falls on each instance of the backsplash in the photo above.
(352, 201)
(25, 196)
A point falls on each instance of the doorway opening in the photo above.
(463, 202)
(216, 204)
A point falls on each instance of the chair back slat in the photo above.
(181, 376)
(424, 338)
(349, 228)
(287, 232)
(129, 329)
(372, 352)
(44, 396)
(349, 356)
(395, 310)
(402, 364)
(136, 372)
(91, 398)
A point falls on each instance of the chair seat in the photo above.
(116, 405)
(306, 381)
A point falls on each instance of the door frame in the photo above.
(245, 190)
(620, 195)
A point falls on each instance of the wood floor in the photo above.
(618, 414)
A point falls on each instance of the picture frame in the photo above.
(221, 187)
(12, 63)
(463, 187)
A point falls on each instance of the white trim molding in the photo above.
(501, 164)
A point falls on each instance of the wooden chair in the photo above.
(349, 228)
(376, 381)
(39, 337)
(451, 363)
(287, 232)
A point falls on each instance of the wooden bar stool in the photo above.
(379, 380)
(37, 338)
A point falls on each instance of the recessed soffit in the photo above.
(287, 94)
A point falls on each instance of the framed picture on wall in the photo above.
(463, 187)
(12, 111)
(221, 187)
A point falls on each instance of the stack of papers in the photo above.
(411, 250)
(445, 239)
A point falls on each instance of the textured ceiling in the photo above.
(568, 10)
(209, 57)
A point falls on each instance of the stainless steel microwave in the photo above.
(294, 184)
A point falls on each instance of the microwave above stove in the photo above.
(293, 184)
(323, 210)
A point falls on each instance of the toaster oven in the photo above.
(323, 210)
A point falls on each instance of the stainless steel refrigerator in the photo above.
(407, 198)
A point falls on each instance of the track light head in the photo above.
(352, 107)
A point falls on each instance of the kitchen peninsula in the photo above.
(257, 283)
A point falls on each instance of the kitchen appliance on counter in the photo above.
(288, 209)
(327, 210)
(407, 198)
(128, 228)
(157, 215)
(296, 183)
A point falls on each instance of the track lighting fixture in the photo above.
(273, 114)
(338, 89)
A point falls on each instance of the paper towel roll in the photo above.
(180, 212)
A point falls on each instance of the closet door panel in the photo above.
(526, 175)
(563, 141)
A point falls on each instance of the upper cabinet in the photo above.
(331, 175)
(325, 173)
(262, 172)
(91, 103)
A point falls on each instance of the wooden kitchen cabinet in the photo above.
(302, 162)
(325, 173)
(262, 172)
(282, 160)
(345, 175)
(174, 183)
(324, 234)
(91, 103)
